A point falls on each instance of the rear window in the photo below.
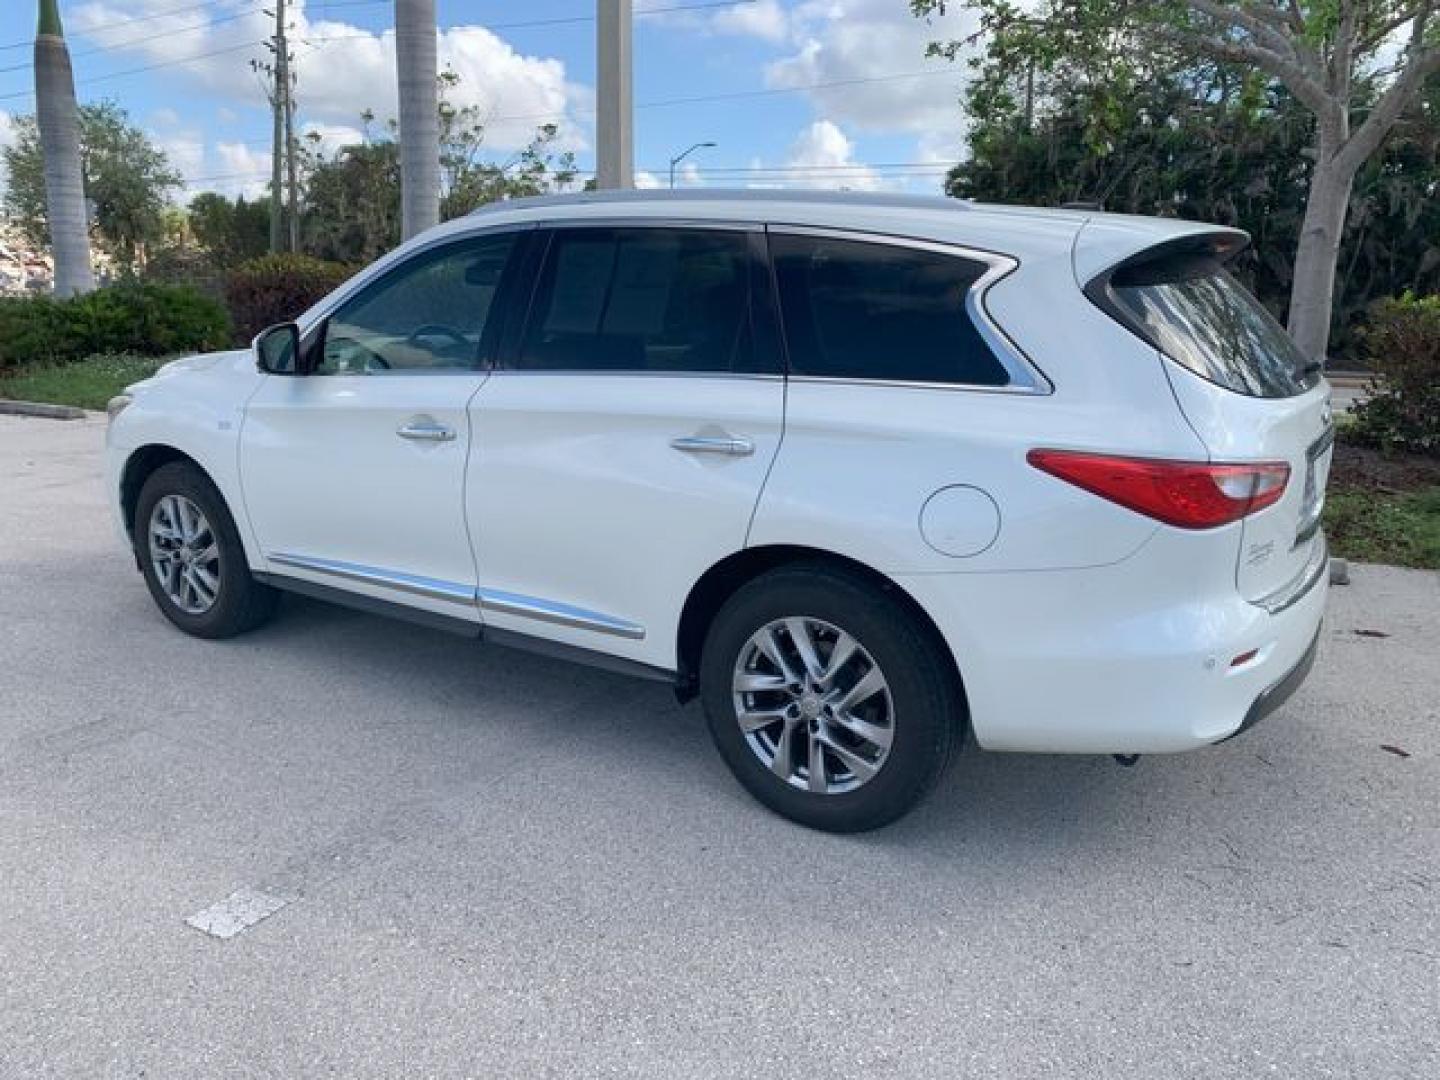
(1196, 313)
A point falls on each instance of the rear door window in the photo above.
(663, 300)
(856, 309)
(1195, 312)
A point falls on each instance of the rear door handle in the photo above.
(713, 444)
(422, 431)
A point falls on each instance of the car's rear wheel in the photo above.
(191, 556)
(828, 699)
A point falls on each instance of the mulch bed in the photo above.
(1361, 467)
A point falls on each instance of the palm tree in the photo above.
(58, 120)
(415, 32)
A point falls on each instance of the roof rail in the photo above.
(691, 195)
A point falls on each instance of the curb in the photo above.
(36, 408)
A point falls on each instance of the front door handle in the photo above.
(424, 431)
(713, 444)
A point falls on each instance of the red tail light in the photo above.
(1187, 494)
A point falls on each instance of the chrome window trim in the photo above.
(635, 373)
(1025, 377)
(532, 607)
(430, 588)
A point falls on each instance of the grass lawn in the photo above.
(1384, 510)
(86, 384)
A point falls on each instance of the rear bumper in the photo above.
(1155, 654)
(1272, 698)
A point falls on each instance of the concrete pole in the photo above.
(417, 67)
(614, 113)
(57, 117)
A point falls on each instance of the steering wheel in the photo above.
(369, 356)
(437, 330)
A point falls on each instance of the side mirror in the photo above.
(277, 349)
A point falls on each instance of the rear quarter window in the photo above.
(857, 309)
(1196, 313)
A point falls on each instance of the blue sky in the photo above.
(812, 92)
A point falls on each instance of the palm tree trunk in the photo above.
(415, 57)
(57, 117)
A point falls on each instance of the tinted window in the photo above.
(642, 300)
(859, 310)
(427, 315)
(1193, 311)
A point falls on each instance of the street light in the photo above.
(681, 157)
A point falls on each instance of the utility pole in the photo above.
(287, 85)
(614, 114)
(282, 137)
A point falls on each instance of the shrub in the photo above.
(277, 288)
(1401, 410)
(148, 320)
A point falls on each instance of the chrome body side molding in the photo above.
(431, 588)
(506, 603)
(532, 607)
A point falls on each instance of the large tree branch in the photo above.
(1242, 18)
(1422, 61)
(1342, 59)
(1375, 36)
(1285, 68)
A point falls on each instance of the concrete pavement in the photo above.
(484, 863)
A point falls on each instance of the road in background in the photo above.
(473, 862)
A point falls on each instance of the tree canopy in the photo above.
(127, 178)
(1348, 74)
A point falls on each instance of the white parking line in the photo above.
(239, 911)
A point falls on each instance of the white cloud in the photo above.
(876, 48)
(164, 117)
(764, 19)
(647, 181)
(331, 136)
(342, 69)
(185, 151)
(822, 156)
(240, 170)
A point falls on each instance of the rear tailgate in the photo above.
(1242, 384)
(1277, 544)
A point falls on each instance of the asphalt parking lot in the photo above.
(484, 863)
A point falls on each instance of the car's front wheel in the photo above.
(191, 556)
(828, 699)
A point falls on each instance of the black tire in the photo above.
(925, 721)
(241, 603)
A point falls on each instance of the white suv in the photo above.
(861, 473)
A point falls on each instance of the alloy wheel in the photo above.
(813, 705)
(185, 554)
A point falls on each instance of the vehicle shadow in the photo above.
(635, 737)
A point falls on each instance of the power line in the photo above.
(132, 42)
(179, 61)
(120, 22)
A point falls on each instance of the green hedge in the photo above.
(1402, 408)
(148, 320)
(277, 288)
